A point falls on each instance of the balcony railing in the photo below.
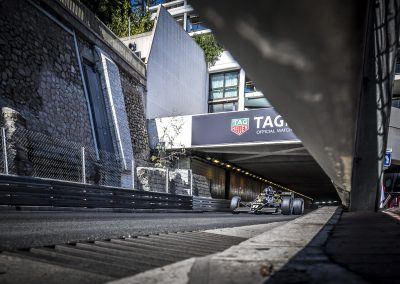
(88, 18)
(196, 27)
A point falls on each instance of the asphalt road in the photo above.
(28, 229)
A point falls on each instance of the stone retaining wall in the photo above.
(40, 80)
(154, 179)
(40, 76)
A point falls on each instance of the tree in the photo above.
(141, 21)
(165, 152)
(116, 14)
(212, 49)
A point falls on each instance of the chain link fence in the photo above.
(28, 153)
(174, 181)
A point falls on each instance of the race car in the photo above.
(269, 201)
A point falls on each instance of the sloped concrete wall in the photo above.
(177, 73)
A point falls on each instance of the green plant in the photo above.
(117, 14)
(212, 49)
(141, 22)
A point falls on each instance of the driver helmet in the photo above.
(269, 190)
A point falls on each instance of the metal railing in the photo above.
(88, 18)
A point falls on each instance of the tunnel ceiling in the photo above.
(289, 165)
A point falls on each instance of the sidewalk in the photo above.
(368, 244)
(251, 261)
(324, 246)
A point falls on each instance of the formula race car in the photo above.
(270, 201)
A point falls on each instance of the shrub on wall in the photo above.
(212, 49)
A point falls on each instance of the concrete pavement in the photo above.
(325, 246)
(252, 261)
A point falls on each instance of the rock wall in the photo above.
(17, 153)
(40, 76)
(201, 186)
(134, 95)
(151, 179)
(154, 179)
(40, 80)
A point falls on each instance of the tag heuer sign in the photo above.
(240, 125)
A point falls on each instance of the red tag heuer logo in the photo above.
(240, 125)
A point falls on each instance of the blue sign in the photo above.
(388, 158)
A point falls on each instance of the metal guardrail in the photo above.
(88, 18)
(28, 191)
(210, 204)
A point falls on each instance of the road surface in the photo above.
(28, 229)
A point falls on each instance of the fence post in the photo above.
(3, 136)
(166, 180)
(83, 166)
(133, 173)
(191, 182)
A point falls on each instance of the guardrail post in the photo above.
(191, 182)
(83, 166)
(3, 136)
(133, 173)
(166, 180)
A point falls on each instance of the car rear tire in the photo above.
(298, 206)
(287, 205)
(235, 202)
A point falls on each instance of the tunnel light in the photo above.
(323, 202)
(216, 161)
(228, 166)
(246, 173)
(222, 164)
(238, 169)
(208, 158)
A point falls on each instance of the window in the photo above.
(221, 107)
(256, 102)
(396, 102)
(194, 24)
(224, 85)
(249, 86)
(223, 91)
(397, 66)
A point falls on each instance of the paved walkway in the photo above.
(325, 246)
(251, 261)
(368, 244)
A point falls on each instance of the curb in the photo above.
(253, 260)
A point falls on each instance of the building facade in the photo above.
(229, 88)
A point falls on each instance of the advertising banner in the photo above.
(252, 126)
